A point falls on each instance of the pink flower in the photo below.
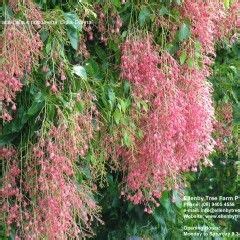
(54, 88)
(6, 117)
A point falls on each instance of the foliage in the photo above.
(124, 220)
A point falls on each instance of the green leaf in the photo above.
(198, 49)
(234, 96)
(178, 2)
(177, 198)
(183, 57)
(184, 32)
(36, 105)
(111, 97)
(124, 34)
(101, 53)
(163, 11)
(74, 26)
(197, 46)
(172, 48)
(86, 172)
(139, 134)
(117, 3)
(117, 116)
(165, 201)
(158, 218)
(80, 71)
(44, 35)
(73, 36)
(126, 139)
(49, 45)
(144, 16)
(145, 106)
(190, 62)
(123, 105)
(233, 69)
(92, 68)
(126, 87)
(226, 3)
(7, 138)
(73, 21)
(80, 106)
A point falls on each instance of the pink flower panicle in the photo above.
(10, 194)
(60, 199)
(139, 65)
(177, 129)
(231, 22)
(205, 17)
(9, 86)
(210, 21)
(30, 9)
(109, 25)
(33, 14)
(20, 51)
(43, 199)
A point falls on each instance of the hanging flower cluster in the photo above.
(57, 81)
(205, 17)
(33, 14)
(177, 129)
(43, 198)
(63, 205)
(10, 188)
(20, 51)
(9, 86)
(210, 20)
(107, 25)
(30, 9)
(231, 22)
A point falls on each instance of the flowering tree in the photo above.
(89, 86)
